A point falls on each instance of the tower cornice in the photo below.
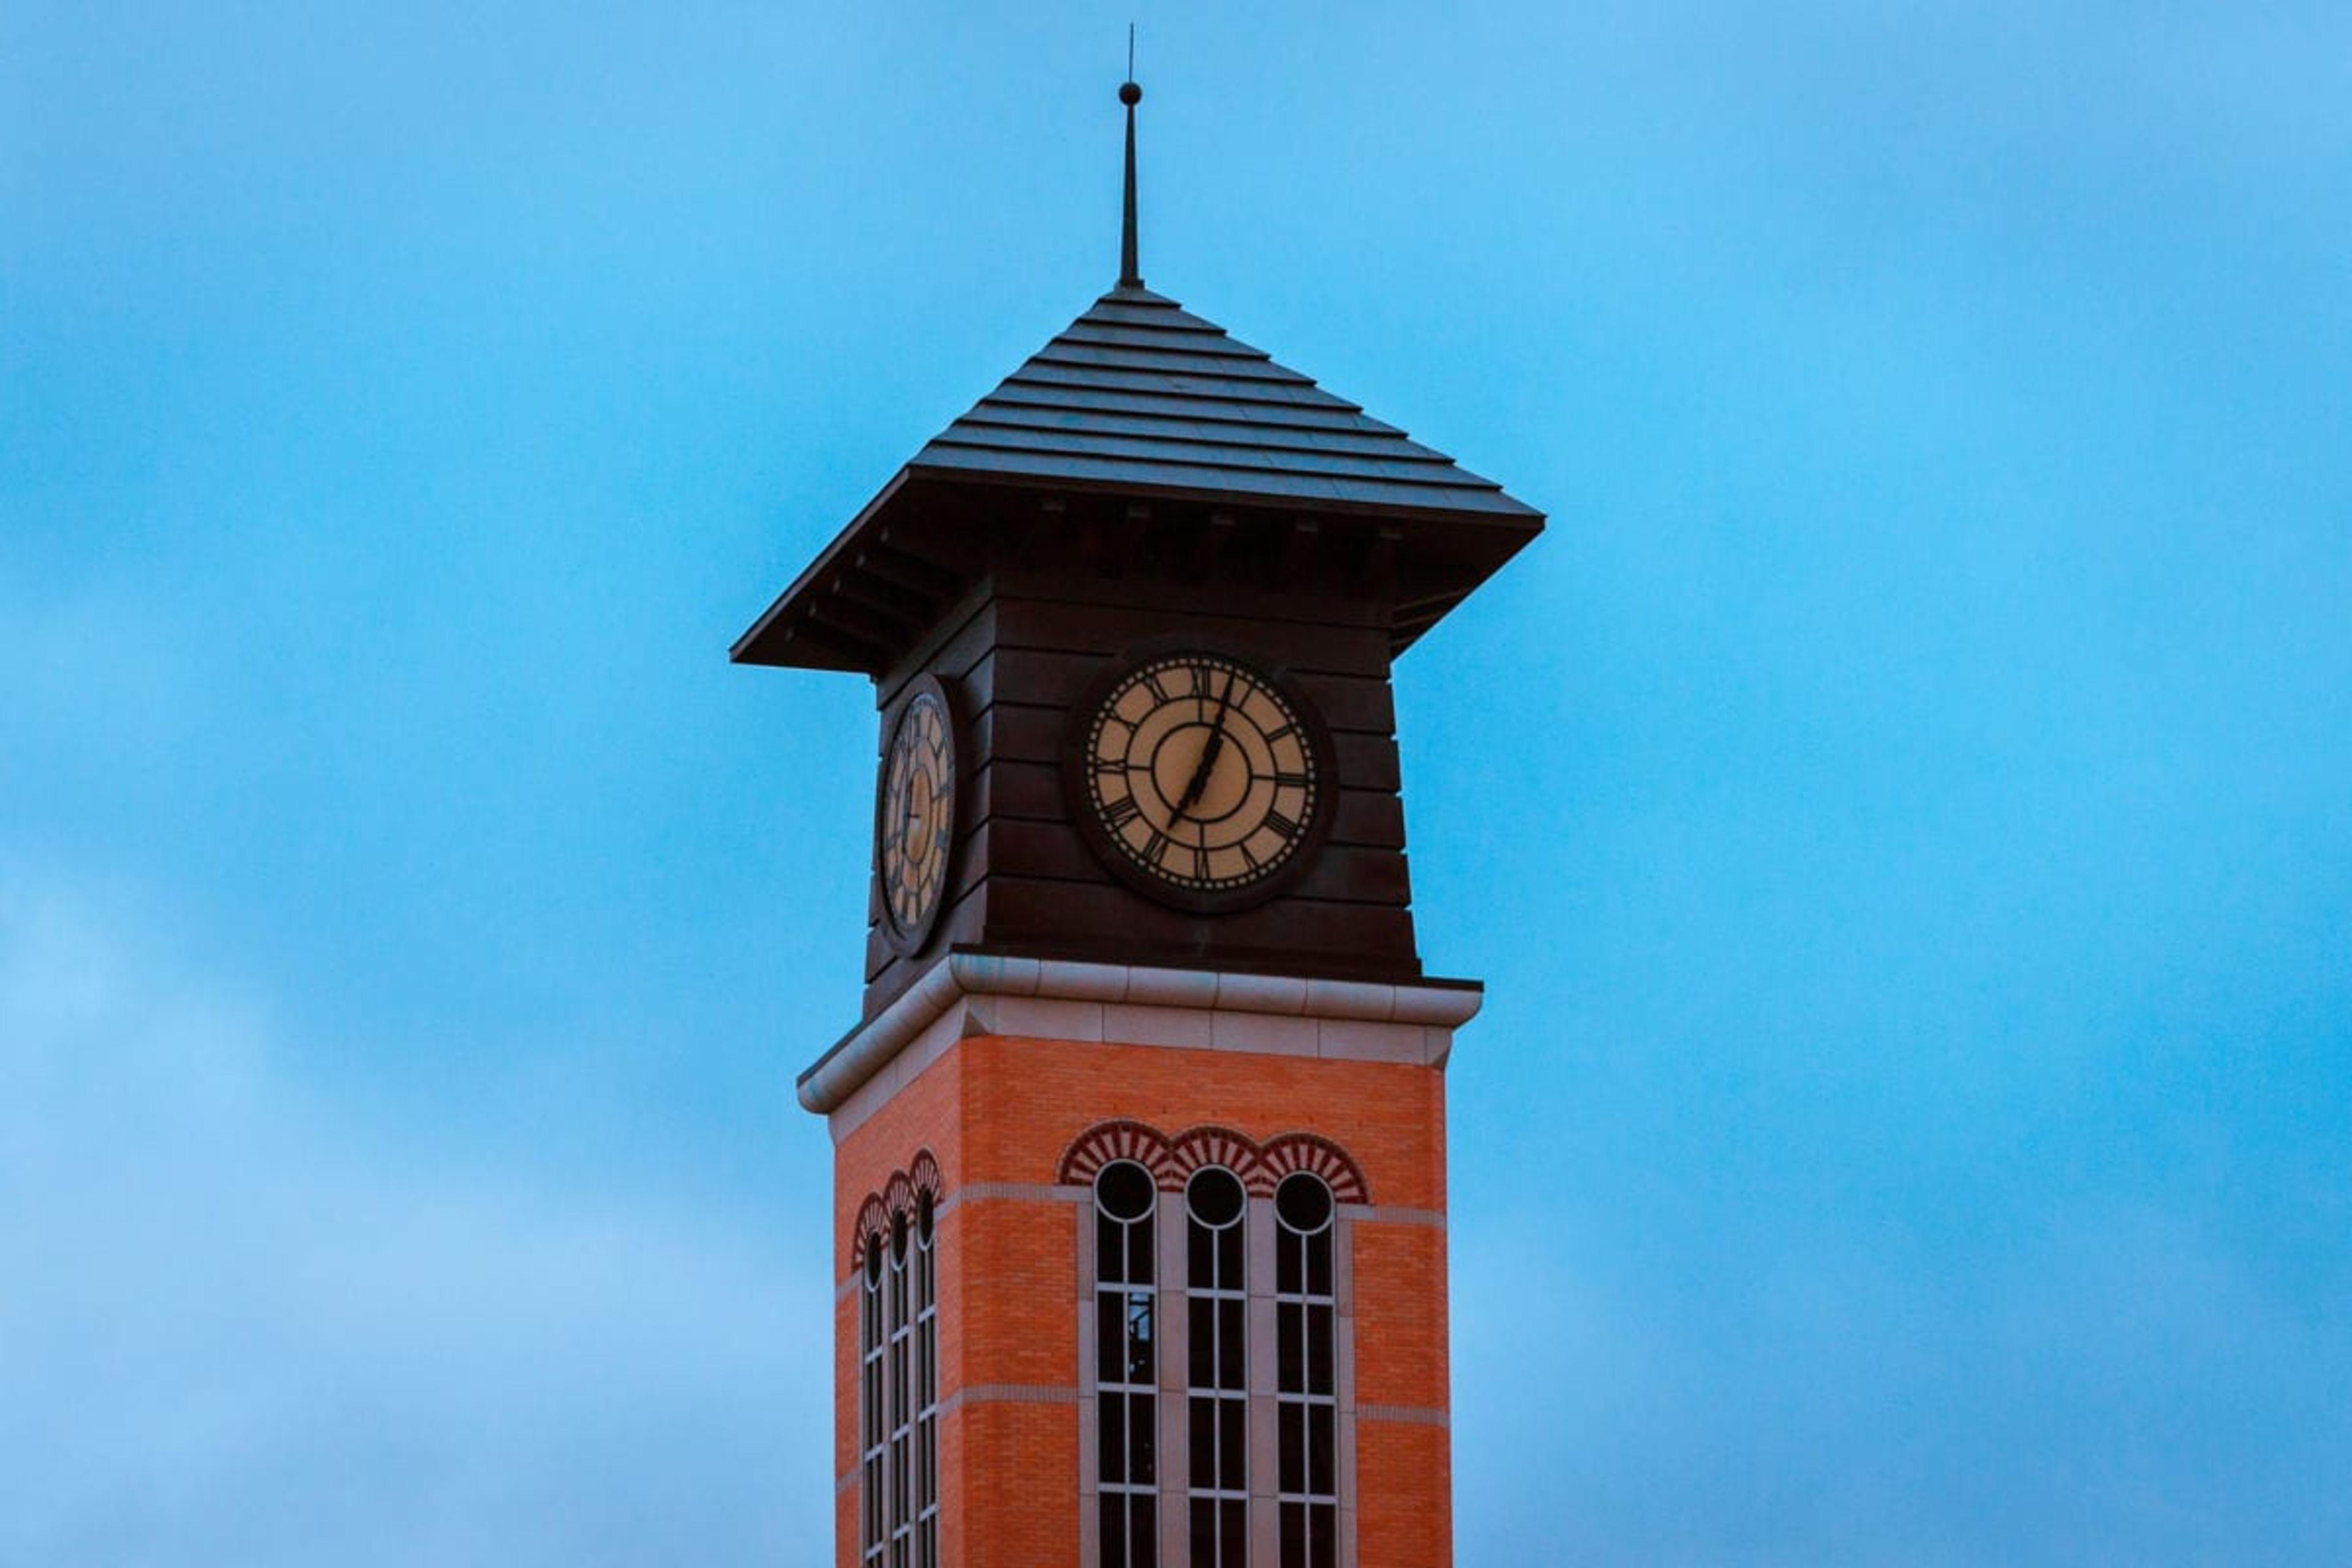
(1121, 1004)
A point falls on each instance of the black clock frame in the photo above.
(1077, 761)
(908, 940)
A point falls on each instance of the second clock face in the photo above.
(1200, 778)
(914, 811)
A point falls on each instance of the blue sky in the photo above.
(1902, 809)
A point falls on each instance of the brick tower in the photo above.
(1139, 1144)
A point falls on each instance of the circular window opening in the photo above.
(1124, 1190)
(1303, 1202)
(1214, 1196)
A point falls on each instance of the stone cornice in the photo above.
(1132, 1004)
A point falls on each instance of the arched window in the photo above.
(1216, 1301)
(1253, 1265)
(898, 1375)
(924, 1396)
(871, 1433)
(1307, 1409)
(898, 1388)
(1125, 1366)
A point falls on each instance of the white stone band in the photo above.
(1133, 989)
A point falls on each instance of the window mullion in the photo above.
(1343, 1326)
(1089, 1405)
(1174, 1333)
(1258, 1250)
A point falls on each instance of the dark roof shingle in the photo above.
(1139, 397)
(1140, 390)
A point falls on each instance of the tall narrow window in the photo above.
(899, 1391)
(871, 1434)
(1307, 1413)
(897, 1405)
(925, 1392)
(1216, 1379)
(1245, 1383)
(1125, 1366)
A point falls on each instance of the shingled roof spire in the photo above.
(1144, 438)
(1130, 95)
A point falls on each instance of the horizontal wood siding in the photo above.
(1020, 654)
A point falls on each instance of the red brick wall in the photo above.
(1404, 1490)
(1001, 1109)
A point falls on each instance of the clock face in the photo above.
(1200, 780)
(915, 814)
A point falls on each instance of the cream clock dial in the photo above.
(915, 812)
(1201, 779)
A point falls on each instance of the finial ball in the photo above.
(1130, 94)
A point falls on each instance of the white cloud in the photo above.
(237, 1323)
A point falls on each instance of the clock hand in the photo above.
(907, 821)
(1216, 744)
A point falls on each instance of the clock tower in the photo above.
(1139, 1167)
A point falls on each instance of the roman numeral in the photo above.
(1291, 781)
(1151, 679)
(1281, 824)
(1121, 812)
(1282, 734)
(1157, 849)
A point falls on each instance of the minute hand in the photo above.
(1199, 779)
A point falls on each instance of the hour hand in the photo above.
(1216, 744)
(1199, 779)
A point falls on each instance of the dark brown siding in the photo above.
(1020, 651)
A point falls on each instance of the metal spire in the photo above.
(1130, 95)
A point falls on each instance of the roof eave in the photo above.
(767, 639)
(811, 625)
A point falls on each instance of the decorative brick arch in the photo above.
(1099, 1145)
(1198, 1146)
(899, 1196)
(1294, 1151)
(1173, 1161)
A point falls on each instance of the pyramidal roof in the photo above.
(1139, 403)
(1140, 393)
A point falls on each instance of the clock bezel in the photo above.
(1100, 840)
(908, 940)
